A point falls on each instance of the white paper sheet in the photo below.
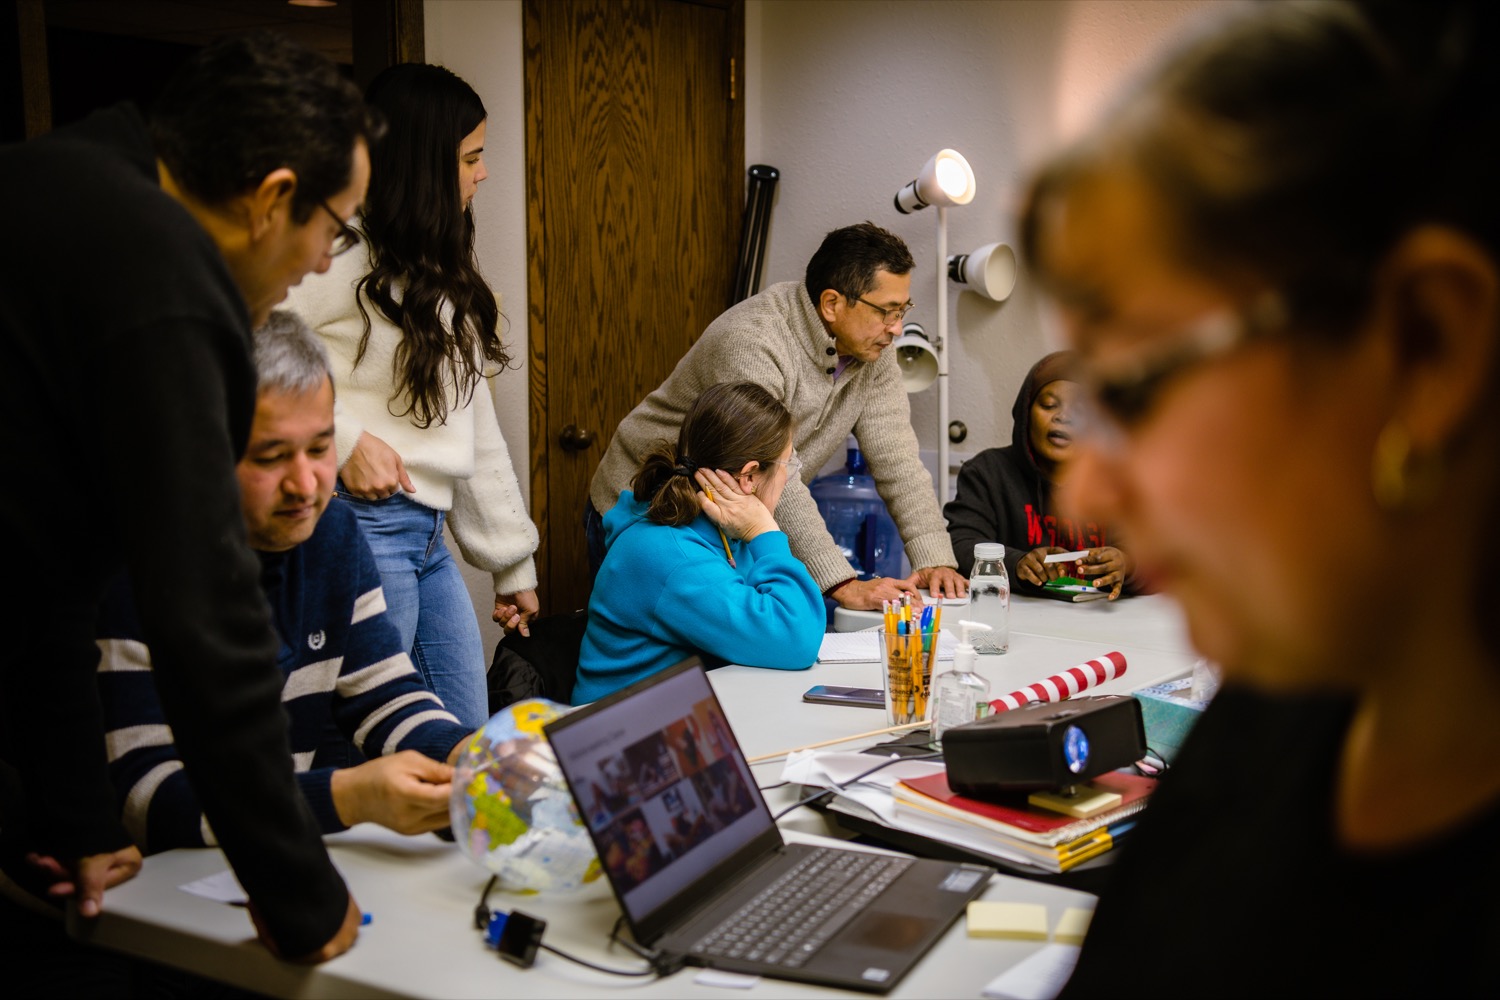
(1039, 976)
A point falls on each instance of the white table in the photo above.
(421, 892)
(1151, 621)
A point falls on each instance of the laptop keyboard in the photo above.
(789, 920)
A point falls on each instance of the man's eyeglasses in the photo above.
(892, 315)
(348, 237)
(1122, 398)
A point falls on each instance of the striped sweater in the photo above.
(348, 681)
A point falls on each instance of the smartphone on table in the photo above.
(828, 694)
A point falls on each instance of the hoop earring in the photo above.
(1401, 478)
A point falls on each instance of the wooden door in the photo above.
(635, 164)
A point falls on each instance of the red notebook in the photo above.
(1017, 818)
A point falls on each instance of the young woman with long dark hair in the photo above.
(414, 333)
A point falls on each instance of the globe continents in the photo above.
(511, 809)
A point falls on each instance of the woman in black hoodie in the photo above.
(1008, 495)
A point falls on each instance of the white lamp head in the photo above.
(945, 180)
(990, 270)
(916, 357)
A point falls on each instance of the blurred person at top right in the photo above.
(1279, 260)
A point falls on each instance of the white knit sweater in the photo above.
(461, 465)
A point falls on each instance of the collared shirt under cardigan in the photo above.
(776, 339)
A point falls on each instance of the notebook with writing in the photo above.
(700, 869)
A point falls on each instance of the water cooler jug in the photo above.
(857, 518)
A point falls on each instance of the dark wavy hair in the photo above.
(730, 424)
(848, 258)
(246, 106)
(422, 245)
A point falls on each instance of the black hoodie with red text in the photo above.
(1004, 496)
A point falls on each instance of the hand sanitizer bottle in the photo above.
(960, 695)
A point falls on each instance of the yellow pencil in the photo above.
(722, 537)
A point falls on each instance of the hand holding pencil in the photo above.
(740, 514)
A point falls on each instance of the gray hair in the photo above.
(289, 357)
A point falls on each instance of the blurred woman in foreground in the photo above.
(1280, 262)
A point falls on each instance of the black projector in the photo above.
(1044, 745)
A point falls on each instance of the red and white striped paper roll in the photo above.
(1074, 680)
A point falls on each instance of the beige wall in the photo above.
(848, 98)
(855, 95)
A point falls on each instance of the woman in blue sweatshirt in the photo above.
(694, 562)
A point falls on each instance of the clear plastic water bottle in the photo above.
(989, 598)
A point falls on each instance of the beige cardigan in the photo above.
(777, 340)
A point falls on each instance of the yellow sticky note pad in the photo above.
(1072, 925)
(1016, 921)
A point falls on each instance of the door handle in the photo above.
(573, 438)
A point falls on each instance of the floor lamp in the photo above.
(945, 180)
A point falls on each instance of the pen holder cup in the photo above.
(906, 677)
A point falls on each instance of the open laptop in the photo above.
(698, 865)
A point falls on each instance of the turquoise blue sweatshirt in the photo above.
(665, 593)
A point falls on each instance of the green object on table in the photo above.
(1169, 715)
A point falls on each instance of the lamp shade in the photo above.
(990, 270)
(916, 357)
(946, 179)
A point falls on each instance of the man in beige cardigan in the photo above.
(820, 347)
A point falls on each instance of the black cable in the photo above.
(544, 946)
(820, 793)
(482, 915)
(614, 937)
(1153, 768)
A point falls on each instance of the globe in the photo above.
(511, 810)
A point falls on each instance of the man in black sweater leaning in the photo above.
(136, 259)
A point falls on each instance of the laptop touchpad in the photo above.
(877, 929)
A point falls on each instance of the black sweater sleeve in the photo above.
(988, 506)
(204, 616)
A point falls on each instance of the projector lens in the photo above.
(1075, 749)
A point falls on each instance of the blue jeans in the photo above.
(593, 533)
(427, 599)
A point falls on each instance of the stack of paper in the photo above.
(1015, 829)
(864, 647)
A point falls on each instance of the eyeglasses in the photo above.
(893, 315)
(1121, 399)
(348, 237)
(793, 465)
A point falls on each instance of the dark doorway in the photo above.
(72, 56)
